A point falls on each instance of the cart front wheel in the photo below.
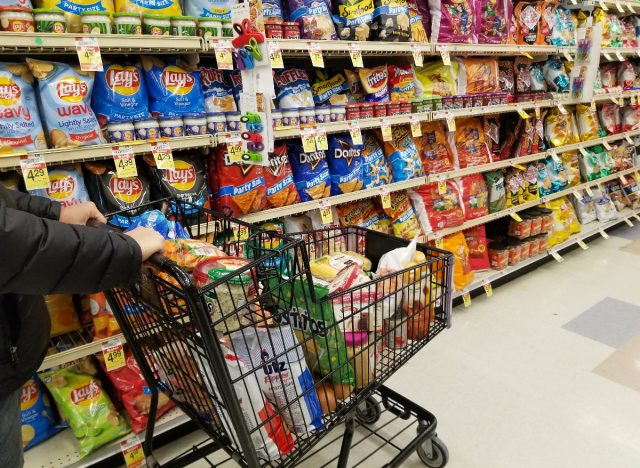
(433, 453)
(368, 412)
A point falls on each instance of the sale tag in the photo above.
(555, 157)
(488, 289)
(567, 56)
(326, 214)
(446, 58)
(603, 5)
(516, 217)
(589, 191)
(322, 144)
(418, 59)
(416, 129)
(132, 452)
(606, 145)
(354, 131)
(583, 245)
(451, 124)
(125, 161)
(317, 60)
(385, 198)
(523, 114)
(442, 185)
(577, 195)
(275, 55)
(386, 131)
(562, 109)
(308, 136)
(234, 148)
(439, 242)
(537, 111)
(34, 172)
(223, 51)
(89, 54)
(557, 256)
(162, 154)
(113, 353)
(632, 100)
(356, 55)
(592, 107)
(466, 298)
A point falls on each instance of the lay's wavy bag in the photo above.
(345, 165)
(74, 8)
(120, 94)
(310, 171)
(159, 7)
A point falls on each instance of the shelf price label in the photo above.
(466, 298)
(322, 144)
(558, 258)
(603, 233)
(385, 198)
(619, 7)
(603, 5)
(619, 56)
(356, 55)
(446, 58)
(326, 213)
(522, 113)
(589, 191)
(308, 136)
(606, 145)
(451, 123)
(583, 151)
(488, 289)
(234, 148)
(113, 353)
(516, 217)
(418, 59)
(562, 109)
(537, 111)
(629, 140)
(623, 179)
(89, 56)
(275, 55)
(162, 154)
(439, 242)
(34, 172)
(315, 53)
(223, 50)
(635, 215)
(387, 135)
(416, 129)
(592, 107)
(442, 185)
(567, 56)
(132, 451)
(125, 161)
(583, 245)
(354, 131)
(628, 221)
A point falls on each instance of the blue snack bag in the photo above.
(173, 89)
(38, 419)
(310, 172)
(376, 170)
(403, 155)
(120, 94)
(217, 90)
(157, 221)
(208, 9)
(292, 88)
(345, 165)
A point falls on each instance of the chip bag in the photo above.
(453, 21)
(417, 21)
(345, 165)
(401, 83)
(119, 94)
(65, 95)
(478, 75)
(164, 7)
(365, 214)
(437, 210)
(609, 115)
(436, 79)
(330, 90)
(278, 178)
(376, 171)
(66, 186)
(220, 9)
(529, 18)
(555, 75)
(375, 83)
(187, 253)
(38, 419)
(310, 172)
(217, 90)
(587, 123)
(62, 313)
(468, 141)
(557, 174)
(314, 17)
(105, 324)
(403, 217)
(492, 19)
(515, 186)
(474, 196)
(630, 118)
(560, 128)
(292, 88)
(476, 238)
(496, 190)
(391, 20)
(353, 19)
(572, 167)
(86, 407)
(402, 154)
(435, 150)
(74, 8)
(462, 271)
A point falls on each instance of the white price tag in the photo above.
(446, 58)
(589, 191)
(556, 256)
(604, 234)
(354, 131)
(162, 154)
(132, 452)
(223, 51)
(628, 221)
(582, 244)
(326, 214)
(606, 145)
(619, 7)
(583, 151)
(416, 129)
(275, 55)
(562, 109)
(555, 156)
(629, 140)
(34, 172)
(619, 56)
(356, 54)
(125, 161)
(317, 60)
(567, 56)
(418, 58)
(89, 56)
(603, 5)
(322, 143)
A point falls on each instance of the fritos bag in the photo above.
(403, 217)
(470, 146)
(436, 153)
(278, 178)
(375, 83)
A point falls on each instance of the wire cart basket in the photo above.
(266, 359)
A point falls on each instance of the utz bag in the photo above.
(278, 178)
(310, 171)
(292, 88)
(65, 97)
(67, 186)
(174, 89)
(453, 21)
(21, 128)
(37, 417)
(217, 89)
(345, 165)
(120, 94)
(375, 169)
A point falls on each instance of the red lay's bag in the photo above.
(236, 186)
(278, 178)
(476, 238)
(474, 195)
(437, 211)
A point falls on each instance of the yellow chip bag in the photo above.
(587, 123)
(403, 217)
(436, 79)
(462, 272)
(74, 8)
(375, 83)
(158, 7)
(560, 128)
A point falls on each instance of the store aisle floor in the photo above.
(544, 374)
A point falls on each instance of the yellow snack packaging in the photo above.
(560, 128)
(158, 7)
(403, 217)
(62, 313)
(74, 8)
(462, 272)
(436, 79)
(587, 123)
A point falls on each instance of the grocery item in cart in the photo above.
(328, 267)
(435, 150)
(278, 178)
(315, 18)
(344, 160)
(21, 128)
(156, 220)
(66, 185)
(310, 171)
(293, 90)
(165, 8)
(375, 83)
(86, 407)
(65, 97)
(462, 271)
(478, 75)
(402, 154)
(436, 79)
(436, 210)
(187, 253)
(37, 417)
(391, 20)
(401, 82)
(453, 21)
(217, 90)
(376, 170)
(403, 217)
(469, 143)
(74, 8)
(120, 94)
(476, 239)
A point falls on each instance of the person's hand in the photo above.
(81, 213)
(150, 241)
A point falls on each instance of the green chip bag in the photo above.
(91, 415)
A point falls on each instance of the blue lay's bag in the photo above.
(65, 101)
(67, 186)
(292, 88)
(345, 165)
(219, 9)
(120, 94)
(310, 172)
(403, 155)
(218, 92)
(376, 170)
(21, 128)
(173, 89)
(38, 419)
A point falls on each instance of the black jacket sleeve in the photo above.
(39, 206)
(40, 256)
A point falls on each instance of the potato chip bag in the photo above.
(278, 178)
(476, 239)
(453, 21)
(355, 85)
(529, 18)
(416, 20)
(310, 171)
(435, 151)
(402, 154)
(104, 323)
(174, 88)
(86, 407)
(403, 217)
(514, 186)
(217, 90)
(187, 253)
(66, 185)
(345, 165)
(363, 213)
(292, 88)
(391, 20)
(375, 169)
(585, 208)
(401, 86)
(506, 78)
(626, 75)
(329, 90)
(587, 123)
(436, 79)
(572, 167)
(631, 190)
(609, 116)
(38, 419)
(560, 128)
(557, 174)
(65, 95)
(21, 128)
(62, 313)
(470, 146)
(496, 190)
(314, 17)
(158, 7)
(474, 196)
(435, 210)
(555, 75)
(462, 271)
(74, 8)
(630, 117)
(531, 190)
(478, 75)
(565, 221)
(375, 83)
(492, 21)
(353, 19)
(119, 94)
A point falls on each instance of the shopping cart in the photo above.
(265, 361)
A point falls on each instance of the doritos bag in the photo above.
(120, 94)
(278, 178)
(345, 165)
(376, 170)
(474, 195)
(310, 171)
(67, 185)
(435, 151)
(403, 217)
(469, 143)
(38, 418)
(476, 238)
(437, 211)
(402, 154)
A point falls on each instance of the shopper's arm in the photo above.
(39, 206)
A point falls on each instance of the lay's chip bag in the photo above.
(21, 128)
(158, 7)
(310, 171)
(173, 89)
(65, 97)
(74, 8)
(39, 421)
(345, 165)
(208, 8)
(120, 94)
(402, 154)
(67, 186)
(375, 169)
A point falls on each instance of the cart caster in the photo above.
(368, 412)
(433, 453)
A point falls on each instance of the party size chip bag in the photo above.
(376, 170)
(278, 178)
(310, 171)
(345, 165)
(217, 89)
(292, 88)
(120, 94)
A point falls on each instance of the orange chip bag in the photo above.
(188, 252)
(436, 153)
(470, 144)
(363, 213)
(478, 75)
(462, 272)
(104, 323)
(403, 217)
(278, 178)
(62, 313)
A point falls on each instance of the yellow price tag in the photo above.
(556, 256)
(234, 149)
(446, 58)
(516, 217)
(89, 56)
(442, 186)
(113, 353)
(628, 221)
(162, 154)
(132, 452)
(488, 289)
(356, 134)
(451, 124)
(520, 166)
(125, 161)
(416, 129)
(322, 144)
(604, 234)
(387, 135)
(466, 298)
(593, 106)
(317, 60)
(439, 242)
(523, 114)
(583, 245)
(308, 140)
(567, 56)
(583, 151)
(326, 213)
(589, 191)
(356, 55)
(418, 58)
(223, 50)
(632, 100)
(619, 57)
(275, 55)
(385, 198)
(614, 100)
(34, 172)
(537, 111)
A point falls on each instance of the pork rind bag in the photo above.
(217, 90)
(345, 165)
(158, 7)
(453, 21)
(21, 128)
(478, 75)
(120, 94)
(474, 196)
(278, 178)
(315, 18)
(391, 20)
(435, 150)
(292, 88)
(436, 79)
(74, 8)
(375, 169)
(353, 20)
(469, 143)
(402, 154)
(492, 20)
(403, 216)
(437, 210)
(65, 100)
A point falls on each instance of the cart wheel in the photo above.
(433, 453)
(368, 412)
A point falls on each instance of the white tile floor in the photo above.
(513, 389)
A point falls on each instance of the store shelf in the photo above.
(72, 346)
(61, 451)
(497, 109)
(96, 152)
(612, 5)
(495, 49)
(588, 230)
(49, 43)
(617, 53)
(300, 48)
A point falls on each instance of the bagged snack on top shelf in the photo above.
(375, 168)
(555, 75)
(571, 164)
(65, 96)
(417, 21)
(585, 208)
(174, 87)
(310, 171)
(164, 8)
(375, 83)
(609, 116)
(401, 83)
(599, 16)
(630, 118)
(476, 239)
(38, 418)
(564, 27)
(621, 157)
(217, 90)
(469, 144)
(353, 20)
(629, 38)
(403, 217)
(587, 123)
(402, 154)
(219, 9)
(615, 30)
(391, 20)
(332, 90)
(435, 210)
(496, 191)
(365, 214)
(529, 16)
(66, 185)
(314, 16)
(119, 94)
(21, 128)
(278, 178)
(453, 21)
(560, 129)
(436, 79)
(626, 75)
(478, 75)
(435, 150)
(292, 88)
(474, 196)
(345, 165)
(492, 19)
(74, 8)
(272, 10)
(86, 407)
(462, 271)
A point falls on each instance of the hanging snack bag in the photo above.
(462, 271)
(492, 21)
(529, 18)
(630, 117)
(375, 83)
(21, 128)
(476, 238)
(609, 116)
(436, 79)
(353, 20)
(470, 146)
(403, 217)
(474, 196)
(436, 153)
(376, 171)
(74, 8)
(401, 86)
(557, 174)
(217, 90)
(174, 87)
(235, 78)
(38, 419)
(66, 186)
(278, 178)
(563, 27)
(478, 75)
(391, 20)
(310, 171)
(506, 78)
(453, 21)
(437, 210)
(491, 125)
(165, 8)
(330, 90)
(292, 88)
(496, 190)
(571, 164)
(120, 94)
(515, 186)
(345, 165)
(402, 154)
(555, 75)
(587, 123)
(315, 18)
(531, 190)
(86, 407)
(538, 83)
(65, 96)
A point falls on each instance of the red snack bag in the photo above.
(236, 186)
(474, 196)
(437, 211)
(476, 238)
(134, 393)
(470, 143)
(278, 178)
